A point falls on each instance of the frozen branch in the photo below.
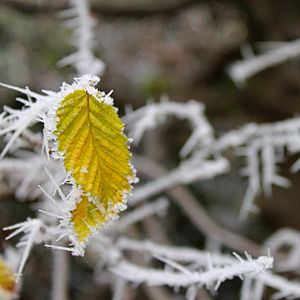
(189, 171)
(290, 238)
(196, 214)
(60, 275)
(268, 139)
(26, 172)
(287, 132)
(81, 21)
(179, 254)
(154, 114)
(159, 206)
(286, 289)
(34, 233)
(119, 288)
(185, 278)
(200, 259)
(240, 71)
(253, 287)
(252, 171)
(263, 145)
(15, 121)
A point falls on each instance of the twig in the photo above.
(82, 24)
(139, 274)
(157, 207)
(189, 171)
(178, 254)
(197, 215)
(154, 114)
(240, 71)
(34, 232)
(60, 275)
(155, 232)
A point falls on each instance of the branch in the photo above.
(60, 275)
(287, 289)
(188, 172)
(240, 71)
(82, 24)
(191, 256)
(185, 278)
(34, 233)
(195, 212)
(159, 206)
(154, 114)
(290, 239)
(179, 254)
(250, 132)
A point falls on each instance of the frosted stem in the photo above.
(60, 276)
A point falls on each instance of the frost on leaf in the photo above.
(7, 281)
(85, 218)
(90, 139)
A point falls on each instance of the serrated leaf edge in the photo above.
(86, 83)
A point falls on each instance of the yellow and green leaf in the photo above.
(86, 217)
(95, 151)
(7, 279)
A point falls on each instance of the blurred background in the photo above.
(179, 48)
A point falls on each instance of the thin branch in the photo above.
(196, 213)
(159, 206)
(34, 233)
(240, 71)
(60, 275)
(188, 172)
(179, 254)
(82, 24)
(154, 114)
(137, 274)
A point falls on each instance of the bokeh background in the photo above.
(179, 48)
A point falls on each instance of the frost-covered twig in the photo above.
(60, 275)
(15, 121)
(179, 254)
(252, 171)
(199, 259)
(184, 278)
(26, 172)
(81, 21)
(189, 171)
(199, 267)
(253, 287)
(262, 145)
(119, 288)
(240, 71)
(286, 289)
(288, 131)
(290, 238)
(159, 206)
(34, 233)
(194, 211)
(154, 114)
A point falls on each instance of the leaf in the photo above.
(86, 218)
(7, 279)
(95, 151)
